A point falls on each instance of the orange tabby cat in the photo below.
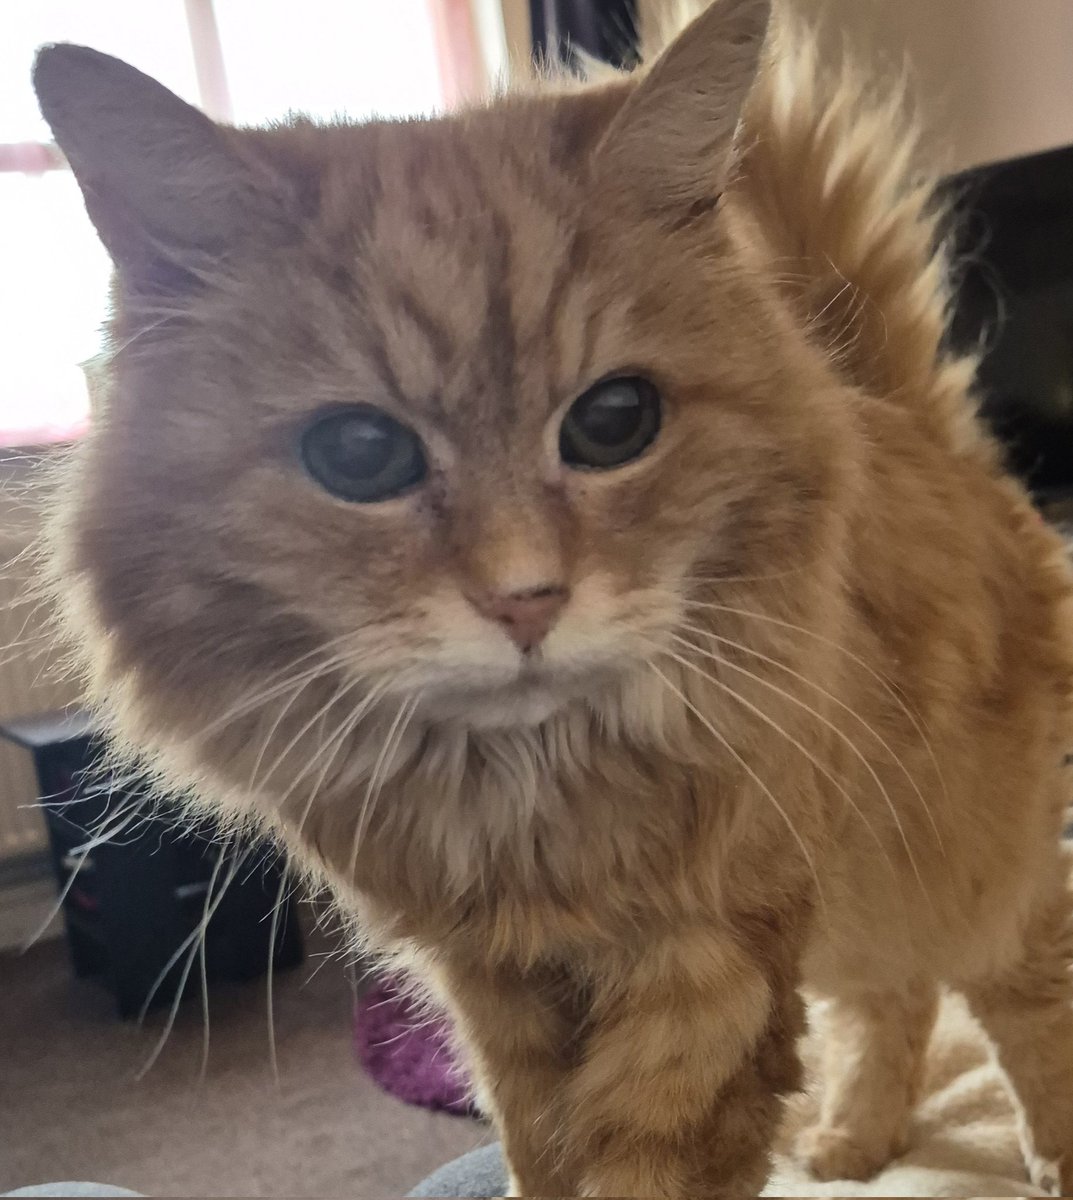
(561, 525)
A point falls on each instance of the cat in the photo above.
(563, 526)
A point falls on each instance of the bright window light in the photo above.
(325, 58)
(149, 34)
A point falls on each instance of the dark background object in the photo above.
(603, 28)
(1013, 229)
(130, 902)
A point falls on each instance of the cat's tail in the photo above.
(830, 169)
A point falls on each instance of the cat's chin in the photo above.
(500, 708)
(520, 703)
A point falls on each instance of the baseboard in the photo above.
(27, 902)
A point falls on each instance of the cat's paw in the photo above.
(831, 1153)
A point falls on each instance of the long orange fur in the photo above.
(804, 717)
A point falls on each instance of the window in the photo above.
(245, 61)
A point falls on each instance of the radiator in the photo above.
(29, 680)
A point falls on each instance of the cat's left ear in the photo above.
(165, 186)
(671, 146)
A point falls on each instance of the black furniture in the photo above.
(138, 883)
(1013, 227)
(604, 28)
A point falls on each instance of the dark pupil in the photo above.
(612, 417)
(363, 455)
(360, 448)
(611, 424)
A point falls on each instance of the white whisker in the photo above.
(273, 689)
(815, 320)
(273, 933)
(346, 726)
(206, 1023)
(209, 913)
(121, 821)
(774, 662)
(292, 699)
(884, 683)
(328, 705)
(772, 723)
(805, 853)
(387, 751)
(184, 944)
(332, 744)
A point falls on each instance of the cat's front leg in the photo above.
(679, 1090)
(519, 1033)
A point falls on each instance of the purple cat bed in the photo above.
(407, 1052)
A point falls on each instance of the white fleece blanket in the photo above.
(963, 1140)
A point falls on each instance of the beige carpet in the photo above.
(70, 1107)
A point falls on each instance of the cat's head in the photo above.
(467, 408)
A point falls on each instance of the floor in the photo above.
(72, 1107)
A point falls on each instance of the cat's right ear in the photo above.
(163, 184)
(671, 148)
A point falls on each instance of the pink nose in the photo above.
(526, 616)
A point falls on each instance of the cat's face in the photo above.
(465, 404)
(485, 446)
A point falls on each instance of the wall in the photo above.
(29, 679)
(517, 35)
(996, 76)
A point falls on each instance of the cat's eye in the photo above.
(611, 424)
(363, 455)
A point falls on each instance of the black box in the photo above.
(141, 886)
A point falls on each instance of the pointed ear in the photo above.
(672, 145)
(162, 183)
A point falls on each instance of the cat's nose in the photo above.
(526, 616)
